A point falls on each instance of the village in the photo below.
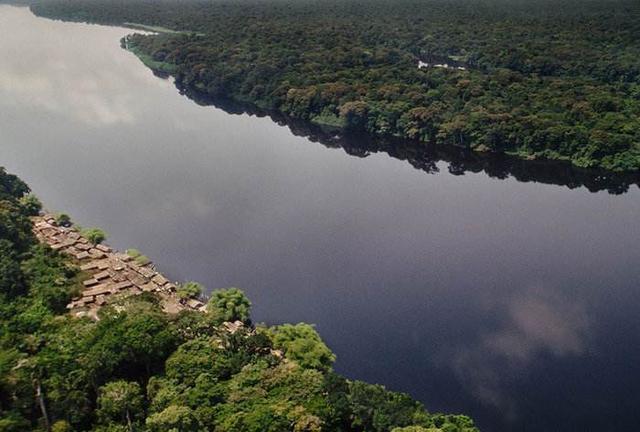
(112, 275)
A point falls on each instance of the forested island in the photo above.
(538, 80)
(139, 368)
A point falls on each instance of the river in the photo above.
(473, 290)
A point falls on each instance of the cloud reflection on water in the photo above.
(535, 323)
(92, 95)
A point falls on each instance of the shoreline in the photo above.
(602, 165)
(165, 70)
(420, 155)
(112, 275)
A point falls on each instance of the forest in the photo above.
(542, 79)
(140, 369)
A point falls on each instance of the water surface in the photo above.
(515, 302)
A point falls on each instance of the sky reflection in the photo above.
(490, 297)
(532, 323)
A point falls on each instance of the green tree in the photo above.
(189, 290)
(415, 429)
(174, 418)
(134, 343)
(11, 187)
(31, 205)
(11, 277)
(15, 227)
(120, 402)
(192, 359)
(229, 304)
(50, 278)
(94, 235)
(302, 343)
(354, 114)
(61, 372)
(376, 409)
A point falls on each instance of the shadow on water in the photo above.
(426, 157)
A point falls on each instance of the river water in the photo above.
(473, 290)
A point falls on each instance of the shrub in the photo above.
(63, 220)
(94, 235)
(189, 290)
(138, 257)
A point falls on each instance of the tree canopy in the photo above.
(229, 304)
(140, 369)
(535, 79)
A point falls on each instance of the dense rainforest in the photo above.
(140, 369)
(542, 79)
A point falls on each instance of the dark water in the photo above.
(504, 290)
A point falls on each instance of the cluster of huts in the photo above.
(112, 275)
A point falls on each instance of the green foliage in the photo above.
(61, 426)
(415, 429)
(138, 257)
(11, 187)
(561, 85)
(130, 344)
(265, 398)
(190, 324)
(120, 402)
(11, 277)
(376, 409)
(192, 359)
(94, 235)
(15, 226)
(51, 279)
(149, 61)
(174, 418)
(63, 219)
(138, 368)
(229, 304)
(31, 205)
(12, 422)
(133, 253)
(189, 290)
(303, 344)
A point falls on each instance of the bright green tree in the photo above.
(94, 235)
(189, 290)
(174, 418)
(229, 304)
(302, 343)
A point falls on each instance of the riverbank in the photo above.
(143, 367)
(422, 126)
(159, 67)
(309, 232)
(111, 275)
(425, 157)
(539, 104)
(156, 29)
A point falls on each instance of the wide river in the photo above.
(515, 302)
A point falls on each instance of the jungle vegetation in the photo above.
(543, 79)
(140, 369)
